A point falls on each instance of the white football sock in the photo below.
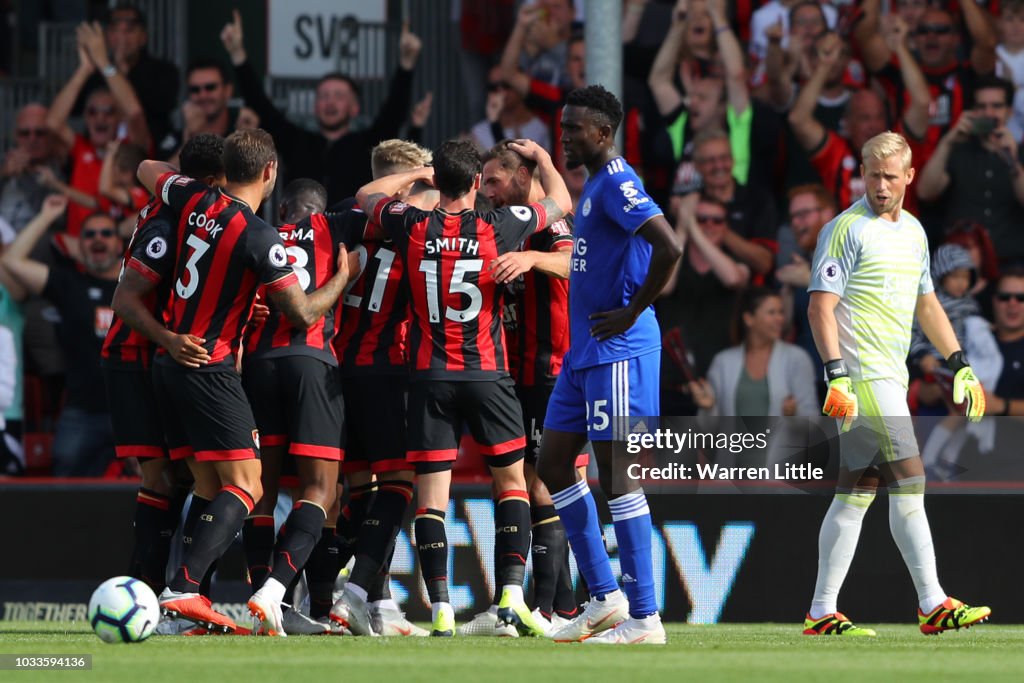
(909, 526)
(837, 541)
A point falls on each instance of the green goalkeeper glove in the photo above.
(966, 386)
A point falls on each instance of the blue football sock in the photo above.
(578, 512)
(632, 520)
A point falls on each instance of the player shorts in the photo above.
(375, 409)
(606, 402)
(134, 415)
(534, 402)
(297, 403)
(489, 411)
(883, 431)
(205, 413)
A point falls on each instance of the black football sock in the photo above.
(322, 569)
(432, 547)
(151, 543)
(214, 532)
(301, 533)
(258, 543)
(380, 528)
(511, 538)
(548, 537)
(351, 520)
(565, 603)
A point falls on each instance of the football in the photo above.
(123, 610)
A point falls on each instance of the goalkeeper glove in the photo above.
(966, 386)
(840, 401)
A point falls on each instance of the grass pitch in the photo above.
(747, 652)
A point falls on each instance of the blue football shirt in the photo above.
(609, 263)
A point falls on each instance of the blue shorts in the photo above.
(606, 402)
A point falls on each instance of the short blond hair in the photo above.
(394, 156)
(885, 145)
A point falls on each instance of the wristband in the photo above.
(957, 361)
(834, 369)
(109, 71)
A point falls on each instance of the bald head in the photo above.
(865, 117)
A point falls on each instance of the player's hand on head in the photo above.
(611, 323)
(529, 149)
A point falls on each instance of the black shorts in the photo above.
(534, 400)
(439, 412)
(134, 415)
(297, 403)
(205, 414)
(375, 409)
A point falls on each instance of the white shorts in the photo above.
(883, 431)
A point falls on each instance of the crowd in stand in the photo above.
(746, 119)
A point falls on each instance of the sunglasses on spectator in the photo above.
(804, 212)
(500, 85)
(1006, 296)
(937, 29)
(203, 87)
(94, 110)
(100, 232)
(31, 132)
(714, 220)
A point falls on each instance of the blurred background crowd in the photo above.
(744, 117)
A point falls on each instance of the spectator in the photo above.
(155, 81)
(973, 237)
(484, 29)
(119, 185)
(1006, 397)
(508, 118)
(706, 103)
(83, 444)
(21, 192)
(1010, 53)
(976, 167)
(750, 236)
(763, 375)
(810, 208)
(543, 29)
(335, 155)
(207, 105)
(950, 80)
(702, 286)
(777, 13)
(105, 109)
(835, 157)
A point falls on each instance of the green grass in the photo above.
(747, 652)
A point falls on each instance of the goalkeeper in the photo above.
(869, 277)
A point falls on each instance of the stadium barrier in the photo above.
(718, 558)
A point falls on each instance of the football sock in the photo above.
(153, 518)
(578, 513)
(322, 569)
(837, 542)
(298, 538)
(909, 526)
(432, 547)
(548, 546)
(632, 519)
(380, 527)
(215, 530)
(565, 597)
(511, 538)
(258, 543)
(350, 521)
(381, 587)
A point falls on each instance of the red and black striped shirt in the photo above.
(456, 331)
(224, 253)
(375, 319)
(541, 313)
(149, 253)
(312, 248)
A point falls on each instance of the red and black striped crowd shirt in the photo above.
(541, 313)
(456, 331)
(375, 312)
(224, 253)
(149, 253)
(312, 249)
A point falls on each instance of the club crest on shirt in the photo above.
(398, 208)
(586, 207)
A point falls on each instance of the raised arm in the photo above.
(729, 272)
(395, 110)
(31, 274)
(874, 52)
(108, 189)
(933, 179)
(64, 102)
(90, 36)
(808, 130)
(915, 117)
(510, 71)
(983, 37)
(369, 195)
(557, 201)
(150, 171)
(666, 96)
(732, 58)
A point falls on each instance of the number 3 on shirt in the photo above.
(199, 247)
